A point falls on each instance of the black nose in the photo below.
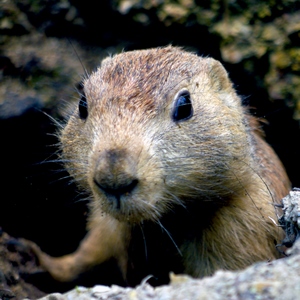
(117, 190)
(115, 176)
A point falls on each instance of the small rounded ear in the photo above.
(218, 75)
(221, 83)
(105, 61)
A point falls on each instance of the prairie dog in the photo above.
(178, 175)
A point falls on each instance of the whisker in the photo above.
(248, 194)
(54, 121)
(177, 200)
(79, 58)
(144, 240)
(85, 199)
(167, 232)
(264, 182)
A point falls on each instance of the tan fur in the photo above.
(208, 183)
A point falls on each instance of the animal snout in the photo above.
(115, 191)
(115, 176)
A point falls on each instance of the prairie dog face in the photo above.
(153, 129)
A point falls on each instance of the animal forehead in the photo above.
(148, 67)
(144, 76)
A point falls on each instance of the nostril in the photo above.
(117, 190)
(128, 188)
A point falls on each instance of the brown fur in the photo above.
(206, 187)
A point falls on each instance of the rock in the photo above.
(279, 279)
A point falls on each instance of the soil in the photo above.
(16, 265)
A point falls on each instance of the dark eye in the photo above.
(83, 107)
(183, 109)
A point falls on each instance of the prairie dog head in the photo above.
(156, 128)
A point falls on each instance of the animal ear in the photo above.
(105, 61)
(218, 75)
(221, 83)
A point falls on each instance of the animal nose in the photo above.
(115, 190)
(115, 176)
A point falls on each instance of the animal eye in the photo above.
(183, 109)
(83, 107)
